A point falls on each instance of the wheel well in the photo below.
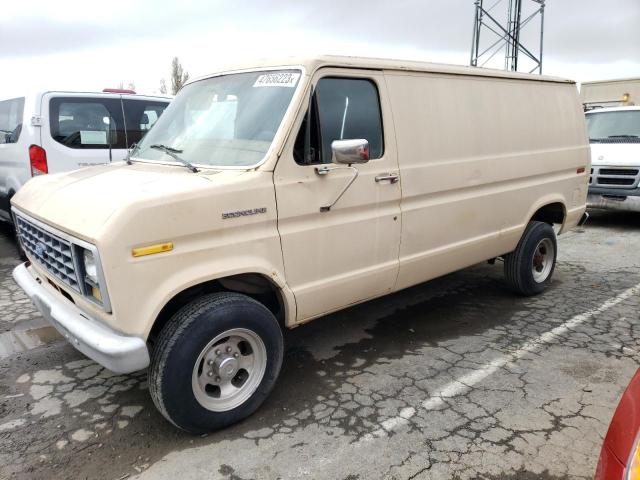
(254, 285)
(551, 213)
(5, 202)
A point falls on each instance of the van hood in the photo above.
(615, 154)
(81, 202)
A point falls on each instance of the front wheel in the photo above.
(215, 362)
(528, 269)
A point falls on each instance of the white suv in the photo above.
(52, 132)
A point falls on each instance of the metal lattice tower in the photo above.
(507, 37)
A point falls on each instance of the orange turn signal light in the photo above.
(152, 249)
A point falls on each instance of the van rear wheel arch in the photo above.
(553, 213)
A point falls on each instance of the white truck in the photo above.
(614, 134)
(623, 92)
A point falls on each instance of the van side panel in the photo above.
(478, 156)
(15, 168)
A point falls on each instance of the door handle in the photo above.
(392, 177)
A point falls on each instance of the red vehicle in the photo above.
(620, 455)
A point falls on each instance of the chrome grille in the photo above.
(53, 253)
(614, 177)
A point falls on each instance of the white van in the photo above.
(56, 131)
(614, 134)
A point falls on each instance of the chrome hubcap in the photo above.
(229, 369)
(543, 260)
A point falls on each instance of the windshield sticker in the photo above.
(280, 79)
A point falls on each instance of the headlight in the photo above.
(90, 267)
(91, 280)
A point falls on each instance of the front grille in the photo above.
(53, 253)
(619, 171)
(614, 177)
(616, 181)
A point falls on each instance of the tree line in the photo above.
(178, 77)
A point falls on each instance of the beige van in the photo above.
(265, 197)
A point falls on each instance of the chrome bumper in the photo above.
(595, 200)
(119, 353)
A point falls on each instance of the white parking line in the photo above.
(466, 382)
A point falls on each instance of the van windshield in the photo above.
(608, 127)
(226, 121)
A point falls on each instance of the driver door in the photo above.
(348, 253)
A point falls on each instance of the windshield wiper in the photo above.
(623, 136)
(172, 152)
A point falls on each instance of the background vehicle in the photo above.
(620, 455)
(57, 131)
(624, 92)
(614, 134)
(266, 197)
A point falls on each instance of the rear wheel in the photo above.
(215, 362)
(528, 269)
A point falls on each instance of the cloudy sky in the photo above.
(88, 45)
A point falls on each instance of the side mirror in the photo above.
(350, 151)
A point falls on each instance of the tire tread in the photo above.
(514, 269)
(169, 335)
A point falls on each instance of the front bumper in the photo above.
(610, 202)
(119, 353)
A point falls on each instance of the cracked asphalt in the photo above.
(453, 379)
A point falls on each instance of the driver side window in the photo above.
(341, 109)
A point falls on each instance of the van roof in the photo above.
(313, 63)
(39, 93)
(613, 80)
(107, 94)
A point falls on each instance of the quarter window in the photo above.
(95, 123)
(11, 113)
(341, 109)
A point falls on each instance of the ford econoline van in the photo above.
(57, 131)
(271, 195)
(614, 134)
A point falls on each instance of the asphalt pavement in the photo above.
(455, 378)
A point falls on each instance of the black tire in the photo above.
(182, 341)
(519, 265)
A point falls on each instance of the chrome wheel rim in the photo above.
(542, 262)
(229, 370)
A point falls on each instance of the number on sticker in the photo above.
(280, 79)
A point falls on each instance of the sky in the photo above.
(85, 45)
